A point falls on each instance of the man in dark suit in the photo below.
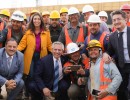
(44, 85)
(119, 46)
(11, 69)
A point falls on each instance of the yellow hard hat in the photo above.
(34, 11)
(45, 13)
(5, 12)
(94, 43)
(54, 14)
(64, 10)
(24, 16)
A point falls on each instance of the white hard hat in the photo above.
(72, 47)
(87, 8)
(17, 15)
(102, 13)
(73, 10)
(94, 19)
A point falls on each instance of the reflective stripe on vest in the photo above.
(9, 34)
(101, 39)
(1, 28)
(104, 82)
(80, 36)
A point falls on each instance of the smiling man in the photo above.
(119, 46)
(104, 78)
(55, 27)
(15, 29)
(50, 83)
(75, 92)
(73, 31)
(11, 69)
(94, 23)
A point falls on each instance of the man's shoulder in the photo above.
(112, 35)
(47, 58)
(20, 54)
(1, 50)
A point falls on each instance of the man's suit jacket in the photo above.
(44, 74)
(15, 71)
(113, 48)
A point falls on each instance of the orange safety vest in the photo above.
(80, 36)
(9, 33)
(84, 61)
(1, 28)
(128, 24)
(101, 40)
(67, 64)
(104, 82)
(88, 29)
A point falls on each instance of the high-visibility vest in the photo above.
(101, 39)
(88, 29)
(104, 82)
(128, 24)
(67, 64)
(80, 36)
(9, 33)
(1, 28)
(84, 61)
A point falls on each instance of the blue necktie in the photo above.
(56, 77)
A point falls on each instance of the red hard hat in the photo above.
(125, 7)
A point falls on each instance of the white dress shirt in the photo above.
(126, 54)
(60, 67)
(7, 56)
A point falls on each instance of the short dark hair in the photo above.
(119, 12)
(31, 24)
(11, 39)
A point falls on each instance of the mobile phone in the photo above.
(74, 67)
(95, 92)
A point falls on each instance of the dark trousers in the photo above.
(123, 93)
(28, 78)
(37, 94)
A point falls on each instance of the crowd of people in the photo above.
(53, 56)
